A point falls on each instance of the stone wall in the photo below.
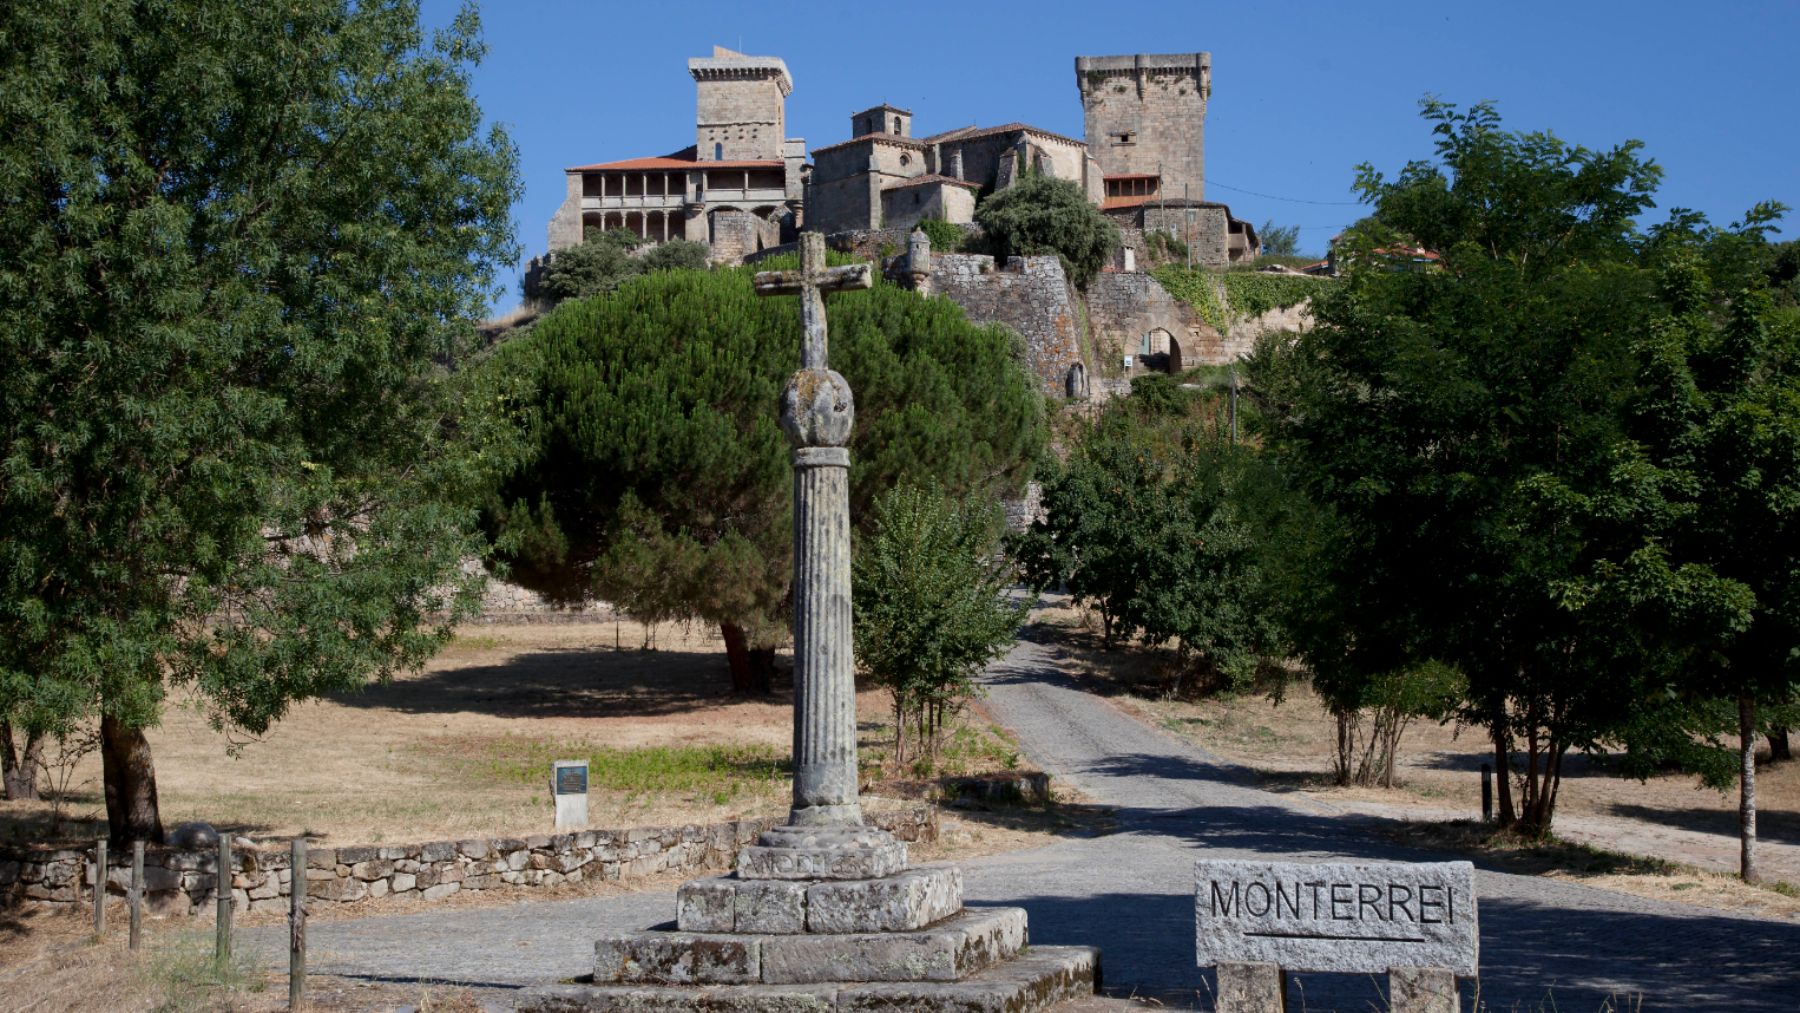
(184, 882)
(1030, 295)
(1123, 307)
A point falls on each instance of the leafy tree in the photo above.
(657, 475)
(1719, 409)
(929, 598)
(1167, 529)
(1468, 430)
(1042, 214)
(1279, 240)
(230, 272)
(676, 255)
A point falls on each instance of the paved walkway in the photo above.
(1545, 944)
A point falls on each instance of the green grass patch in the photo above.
(720, 772)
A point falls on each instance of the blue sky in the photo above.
(1302, 91)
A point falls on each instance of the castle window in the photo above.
(718, 152)
(896, 124)
(905, 160)
(1127, 137)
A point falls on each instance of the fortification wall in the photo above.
(1124, 306)
(1030, 295)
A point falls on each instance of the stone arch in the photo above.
(1075, 384)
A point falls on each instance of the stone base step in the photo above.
(952, 949)
(1035, 980)
(903, 902)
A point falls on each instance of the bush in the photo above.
(945, 237)
(930, 605)
(1043, 214)
(605, 260)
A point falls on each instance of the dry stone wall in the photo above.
(184, 882)
(1124, 306)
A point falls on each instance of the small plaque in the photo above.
(571, 779)
(1338, 917)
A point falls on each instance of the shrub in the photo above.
(1043, 214)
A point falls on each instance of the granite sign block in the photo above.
(1337, 917)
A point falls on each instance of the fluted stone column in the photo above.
(824, 682)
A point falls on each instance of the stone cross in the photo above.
(811, 283)
(824, 834)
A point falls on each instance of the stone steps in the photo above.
(1035, 979)
(901, 902)
(968, 942)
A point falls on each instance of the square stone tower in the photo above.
(1146, 116)
(882, 119)
(740, 109)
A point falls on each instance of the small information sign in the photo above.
(569, 786)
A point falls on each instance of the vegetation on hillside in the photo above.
(1041, 214)
(604, 260)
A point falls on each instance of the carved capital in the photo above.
(817, 409)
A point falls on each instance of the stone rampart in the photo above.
(1124, 306)
(184, 882)
(1030, 295)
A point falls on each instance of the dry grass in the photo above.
(463, 748)
(1290, 741)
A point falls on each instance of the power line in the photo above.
(1291, 200)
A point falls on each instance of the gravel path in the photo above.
(1545, 944)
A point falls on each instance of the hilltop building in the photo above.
(739, 187)
(745, 186)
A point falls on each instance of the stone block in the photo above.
(899, 903)
(441, 890)
(403, 881)
(351, 856)
(474, 849)
(978, 938)
(378, 889)
(1422, 990)
(675, 958)
(483, 882)
(705, 905)
(372, 869)
(1251, 988)
(1352, 918)
(269, 887)
(678, 999)
(437, 851)
(1039, 980)
(761, 861)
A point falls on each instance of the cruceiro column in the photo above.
(825, 836)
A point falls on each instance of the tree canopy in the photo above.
(1509, 498)
(232, 272)
(606, 259)
(658, 478)
(1041, 214)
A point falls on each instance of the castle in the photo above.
(744, 186)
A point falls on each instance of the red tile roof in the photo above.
(931, 177)
(683, 159)
(1134, 175)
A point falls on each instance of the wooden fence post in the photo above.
(99, 887)
(137, 891)
(222, 944)
(297, 926)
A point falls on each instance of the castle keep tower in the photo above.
(1146, 121)
(740, 106)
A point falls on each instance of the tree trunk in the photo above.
(18, 770)
(1779, 749)
(1747, 789)
(752, 668)
(131, 809)
(1503, 776)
